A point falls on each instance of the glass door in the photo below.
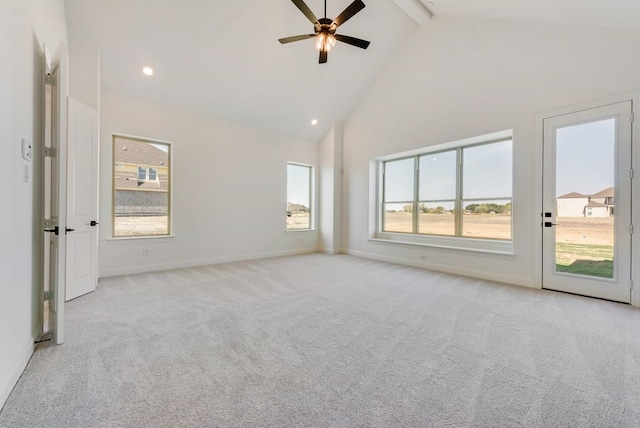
(587, 202)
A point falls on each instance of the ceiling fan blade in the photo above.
(351, 10)
(323, 57)
(305, 9)
(352, 41)
(296, 38)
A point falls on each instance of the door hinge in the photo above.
(633, 117)
(49, 152)
(48, 295)
(47, 78)
(631, 229)
(631, 284)
(631, 173)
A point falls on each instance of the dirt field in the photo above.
(131, 226)
(575, 230)
(298, 220)
(585, 230)
(475, 226)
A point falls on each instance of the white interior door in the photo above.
(587, 202)
(82, 200)
(55, 166)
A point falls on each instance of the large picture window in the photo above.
(457, 191)
(299, 196)
(141, 187)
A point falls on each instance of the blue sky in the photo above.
(298, 184)
(486, 174)
(585, 157)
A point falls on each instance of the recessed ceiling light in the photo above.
(314, 122)
(148, 71)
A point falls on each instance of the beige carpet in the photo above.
(332, 341)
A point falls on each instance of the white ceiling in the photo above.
(598, 13)
(222, 58)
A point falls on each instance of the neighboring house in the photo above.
(596, 209)
(605, 197)
(140, 178)
(291, 207)
(571, 205)
(578, 205)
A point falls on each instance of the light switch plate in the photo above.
(27, 150)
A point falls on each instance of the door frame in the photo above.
(634, 97)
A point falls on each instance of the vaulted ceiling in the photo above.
(222, 58)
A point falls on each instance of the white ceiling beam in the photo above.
(416, 10)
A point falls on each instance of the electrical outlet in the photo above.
(145, 251)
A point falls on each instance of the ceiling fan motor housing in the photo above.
(325, 26)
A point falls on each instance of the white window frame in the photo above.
(312, 216)
(116, 165)
(376, 205)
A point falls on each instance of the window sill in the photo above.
(487, 246)
(126, 240)
(300, 231)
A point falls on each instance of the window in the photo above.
(299, 196)
(141, 187)
(448, 192)
(144, 174)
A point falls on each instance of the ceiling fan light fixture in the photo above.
(325, 42)
(324, 29)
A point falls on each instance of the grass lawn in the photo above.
(581, 259)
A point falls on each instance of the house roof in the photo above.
(573, 195)
(139, 153)
(593, 204)
(606, 193)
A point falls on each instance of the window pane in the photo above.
(487, 171)
(398, 218)
(487, 219)
(141, 206)
(152, 174)
(399, 180)
(436, 218)
(585, 187)
(437, 179)
(298, 197)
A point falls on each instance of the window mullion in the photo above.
(458, 203)
(416, 179)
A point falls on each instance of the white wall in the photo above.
(24, 26)
(229, 189)
(331, 190)
(456, 78)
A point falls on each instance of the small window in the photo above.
(299, 197)
(141, 187)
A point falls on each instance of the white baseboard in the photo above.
(130, 270)
(16, 371)
(456, 270)
(332, 251)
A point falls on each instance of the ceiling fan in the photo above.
(325, 28)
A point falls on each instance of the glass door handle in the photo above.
(549, 224)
